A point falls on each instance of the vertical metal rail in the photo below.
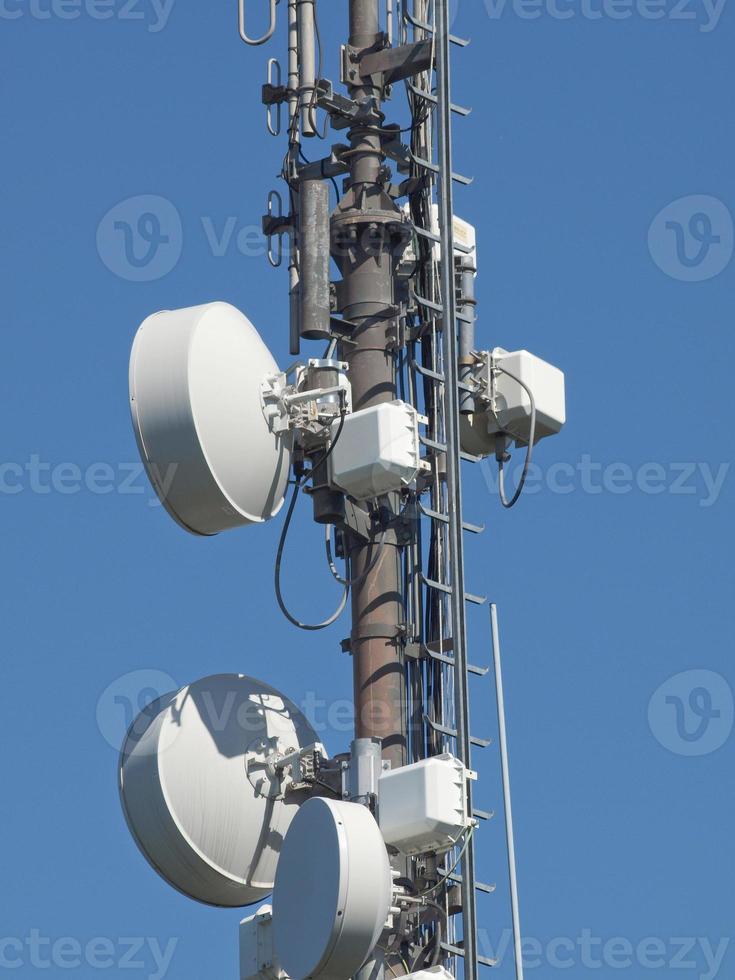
(294, 141)
(517, 938)
(454, 475)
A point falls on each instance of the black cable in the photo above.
(349, 582)
(312, 103)
(309, 627)
(282, 543)
(502, 457)
(447, 877)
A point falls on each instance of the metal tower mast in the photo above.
(402, 317)
(375, 429)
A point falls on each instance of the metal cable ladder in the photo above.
(448, 515)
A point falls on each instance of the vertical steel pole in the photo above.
(294, 141)
(364, 252)
(510, 840)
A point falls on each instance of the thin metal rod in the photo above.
(503, 741)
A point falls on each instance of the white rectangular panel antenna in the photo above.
(511, 401)
(377, 452)
(423, 807)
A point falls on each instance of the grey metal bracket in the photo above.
(357, 520)
(374, 631)
(346, 112)
(278, 224)
(395, 64)
(273, 94)
(331, 166)
(394, 149)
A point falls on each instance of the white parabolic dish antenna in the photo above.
(198, 796)
(195, 380)
(333, 891)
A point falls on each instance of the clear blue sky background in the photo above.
(584, 129)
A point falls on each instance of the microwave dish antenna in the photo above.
(199, 791)
(196, 404)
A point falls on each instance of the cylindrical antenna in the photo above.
(307, 65)
(314, 253)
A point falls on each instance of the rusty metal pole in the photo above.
(366, 248)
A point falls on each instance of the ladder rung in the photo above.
(451, 662)
(458, 247)
(434, 515)
(427, 372)
(429, 29)
(473, 528)
(428, 303)
(459, 178)
(458, 951)
(438, 447)
(479, 885)
(441, 447)
(437, 586)
(425, 233)
(461, 110)
(476, 600)
(435, 376)
(481, 743)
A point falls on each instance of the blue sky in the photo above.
(602, 147)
